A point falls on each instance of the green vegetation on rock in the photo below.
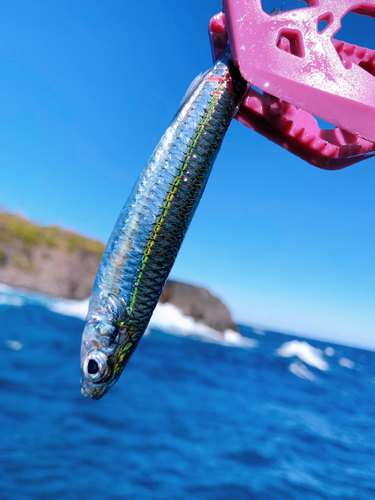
(16, 228)
(2, 257)
(45, 259)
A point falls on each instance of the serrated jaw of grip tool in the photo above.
(292, 127)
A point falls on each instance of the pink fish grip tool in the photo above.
(303, 71)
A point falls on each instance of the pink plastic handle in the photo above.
(312, 76)
(278, 118)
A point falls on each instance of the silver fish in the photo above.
(151, 227)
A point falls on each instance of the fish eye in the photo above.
(92, 367)
(96, 366)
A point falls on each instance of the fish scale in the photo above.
(152, 225)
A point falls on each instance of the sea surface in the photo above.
(194, 415)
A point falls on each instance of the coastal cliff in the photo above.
(47, 259)
(62, 263)
(200, 304)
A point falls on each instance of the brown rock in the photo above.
(52, 271)
(49, 260)
(200, 304)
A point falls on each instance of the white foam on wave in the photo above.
(301, 371)
(4, 287)
(346, 363)
(14, 345)
(235, 339)
(305, 352)
(258, 331)
(76, 308)
(169, 318)
(329, 351)
(9, 300)
(17, 297)
(9, 296)
(166, 317)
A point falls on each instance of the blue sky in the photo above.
(88, 88)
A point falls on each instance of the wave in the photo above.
(166, 317)
(11, 301)
(14, 345)
(76, 308)
(346, 363)
(329, 351)
(305, 352)
(18, 297)
(258, 331)
(4, 287)
(169, 318)
(301, 371)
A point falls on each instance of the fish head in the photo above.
(106, 348)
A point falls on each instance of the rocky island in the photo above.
(53, 261)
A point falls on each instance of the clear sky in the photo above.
(88, 88)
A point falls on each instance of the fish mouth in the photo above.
(85, 391)
(91, 390)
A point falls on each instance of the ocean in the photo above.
(194, 416)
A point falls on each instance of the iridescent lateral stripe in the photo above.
(173, 190)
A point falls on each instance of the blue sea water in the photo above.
(287, 419)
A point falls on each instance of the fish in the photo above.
(152, 224)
